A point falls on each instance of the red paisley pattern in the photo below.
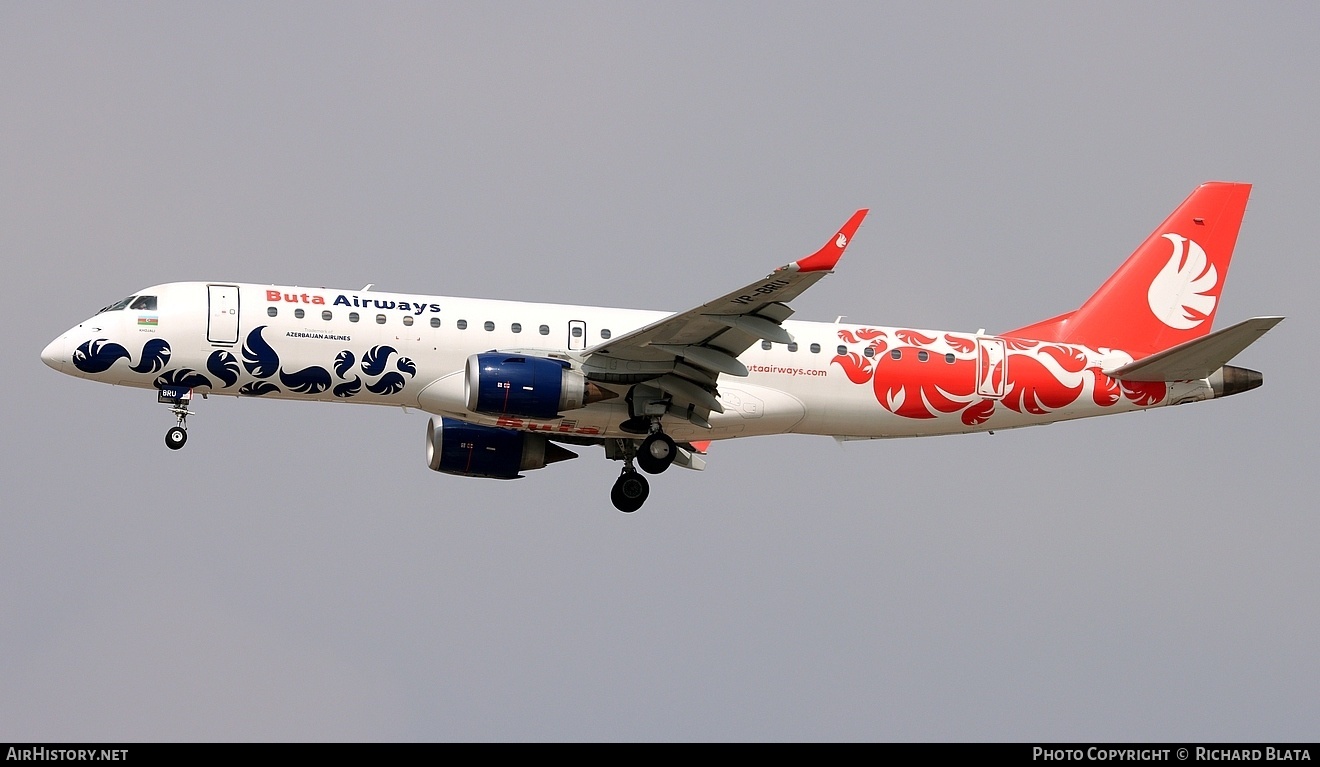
(914, 338)
(862, 334)
(959, 343)
(1042, 378)
(1106, 392)
(915, 389)
(1144, 393)
(979, 413)
(1070, 358)
(1034, 389)
(855, 366)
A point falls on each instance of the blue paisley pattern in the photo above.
(390, 383)
(224, 366)
(261, 361)
(155, 356)
(346, 390)
(311, 380)
(344, 363)
(97, 356)
(183, 377)
(373, 364)
(258, 388)
(258, 357)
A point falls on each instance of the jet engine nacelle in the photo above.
(532, 387)
(470, 450)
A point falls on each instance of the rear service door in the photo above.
(991, 375)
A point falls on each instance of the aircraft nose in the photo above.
(53, 355)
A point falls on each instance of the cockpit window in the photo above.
(145, 303)
(116, 306)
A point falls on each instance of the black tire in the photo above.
(630, 492)
(176, 438)
(656, 454)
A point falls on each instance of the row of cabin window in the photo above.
(604, 333)
(408, 320)
(897, 354)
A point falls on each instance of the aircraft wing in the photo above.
(684, 354)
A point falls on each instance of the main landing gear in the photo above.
(655, 454)
(177, 399)
(630, 490)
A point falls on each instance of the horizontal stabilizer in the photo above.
(1197, 358)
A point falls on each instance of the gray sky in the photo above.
(297, 573)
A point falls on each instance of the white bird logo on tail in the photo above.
(1178, 294)
(841, 241)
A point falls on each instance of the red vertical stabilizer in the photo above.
(1168, 290)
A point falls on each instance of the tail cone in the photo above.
(1230, 380)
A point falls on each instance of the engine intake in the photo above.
(471, 450)
(533, 387)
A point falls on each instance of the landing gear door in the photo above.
(222, 321)
(991, 367)
(577, 335)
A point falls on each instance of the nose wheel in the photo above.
(176, 438)
(177, 399)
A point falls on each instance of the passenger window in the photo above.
(765, 345)
(145, 304)
(792, 346)
(922, 356)
(326, 315)
(435, 322)
(271, 311)
(516, 327)
(576, 331)
(868, 351)
(605, 333)
(407, 319)
(352, 316)
(949, 358)
(462, 324)
(299, 313)
(842, 350)
(380, 319)
(489, 326)
(544, 330)
(897, 354)
(815, 348)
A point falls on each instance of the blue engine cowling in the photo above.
(518, 384)
(471, 450)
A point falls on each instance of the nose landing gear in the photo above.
(176, 437)
(177, 398)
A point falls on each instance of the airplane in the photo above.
(509, 384)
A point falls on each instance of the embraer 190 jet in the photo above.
(509, 384)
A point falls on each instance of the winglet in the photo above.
(824, 259)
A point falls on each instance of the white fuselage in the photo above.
(850, 381)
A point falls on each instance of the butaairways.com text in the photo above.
(788, 371)
(1199, 753)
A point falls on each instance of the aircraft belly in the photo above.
(749, 409)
